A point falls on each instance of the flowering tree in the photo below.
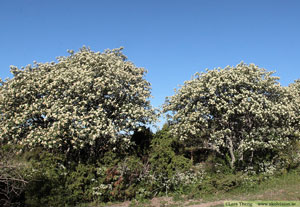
(85, 99)
(241, 111)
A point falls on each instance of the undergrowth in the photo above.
(158, 167)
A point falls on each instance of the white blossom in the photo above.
(82, 98)
(244, 105)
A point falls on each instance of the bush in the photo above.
(13, 179)
(47, 186)
(122, 181)
(57, 181)
(165, 163)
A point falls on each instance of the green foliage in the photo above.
(221, 183)
(54, 180)
(291, 157)
(80, 183)
(115, 177)
(48, 178)
(165, 163)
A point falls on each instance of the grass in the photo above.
(283, 187)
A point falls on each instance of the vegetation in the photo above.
(89, 101)
(76, 132)
(285, 187)
(12, 177)
(240, 112)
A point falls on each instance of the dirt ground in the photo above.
(166, 201)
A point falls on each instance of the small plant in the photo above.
(165, 163)
(48, 179)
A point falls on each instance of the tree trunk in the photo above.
(231, 153)
(192, 156)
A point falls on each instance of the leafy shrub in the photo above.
(122, 181)
(164, 162)
(80, 183)
(13, 179)
(48, 178)
(56, 180)
(290, 159)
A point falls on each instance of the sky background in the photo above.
(172, 39)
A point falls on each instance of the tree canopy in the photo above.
(240, 111)
(82, 100)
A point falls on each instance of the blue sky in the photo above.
(172, 39)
